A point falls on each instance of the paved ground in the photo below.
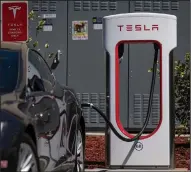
(121, 170)
(103, 133)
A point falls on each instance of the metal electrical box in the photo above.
(75, 28)
(86, 66)
(140, 79)
(54, 33)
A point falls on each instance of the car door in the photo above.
(63, 140)
(44, 104)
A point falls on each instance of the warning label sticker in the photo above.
(79, 30)
(97, 23)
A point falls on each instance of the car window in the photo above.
(46, 70)
(32, 70)
(9, 70)
(40, 65)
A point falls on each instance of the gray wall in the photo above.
(83, 64)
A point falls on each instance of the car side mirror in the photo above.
(36, 84)
(39, 84)
(120, 51)
(56, 60)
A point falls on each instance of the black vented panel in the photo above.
(95, 5)
(35, 5)
(156, 5)
(92, 118)
(112, 5)
(44, 5)
(101, 5)
(52, 5)
(141, 107)
(77, 5)
(104, 5)
(147, 6)
(165, 5)
(86, 5)
(174, 5)
(138, 5)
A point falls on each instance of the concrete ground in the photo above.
(103, 134)
(130, 170)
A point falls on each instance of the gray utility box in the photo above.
(82, 64)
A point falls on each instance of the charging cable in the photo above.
(154, 72)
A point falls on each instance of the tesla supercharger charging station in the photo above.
(158, 146)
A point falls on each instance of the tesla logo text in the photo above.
(138, 27)
(14, 9)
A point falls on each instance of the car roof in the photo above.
(13, 45)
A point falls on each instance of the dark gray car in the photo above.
(42, 125)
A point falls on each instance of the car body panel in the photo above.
(61, 112)
(11, 132)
